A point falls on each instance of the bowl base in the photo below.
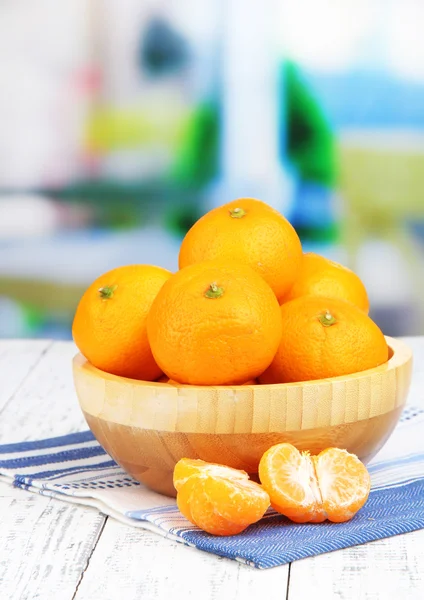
(149, 456)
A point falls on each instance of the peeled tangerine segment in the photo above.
(333, 485)
(186, 467)
(344, 483)
(218, 499)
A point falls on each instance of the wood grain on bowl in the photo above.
(148, 426)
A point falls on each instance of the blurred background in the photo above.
(123, 122)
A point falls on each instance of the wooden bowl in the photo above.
(147, 427)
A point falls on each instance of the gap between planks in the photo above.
(81, 577)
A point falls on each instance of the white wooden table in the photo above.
(51, 550)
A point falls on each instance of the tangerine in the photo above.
(251, 232)
(319, 276)
(214, 323)
(218, 499)
(333, 485)
(109, 326)
(324, 337)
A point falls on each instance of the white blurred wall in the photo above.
(44, 69)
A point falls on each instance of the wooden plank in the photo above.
(45, 545)
(131, 563)
(17, 359)
(387, 569)
(45, 404)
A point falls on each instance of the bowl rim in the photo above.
(401, 354)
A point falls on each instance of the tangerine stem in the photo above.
(237, 213)
(107, 291)
(214, 291)
(327, 319)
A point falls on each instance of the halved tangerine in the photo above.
(333, 485)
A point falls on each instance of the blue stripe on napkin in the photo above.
(54, 442)
(59, 457)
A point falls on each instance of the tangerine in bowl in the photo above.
(147, 427)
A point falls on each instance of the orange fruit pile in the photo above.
(246, 305)
(223, 501)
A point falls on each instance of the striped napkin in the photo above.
(76, 469)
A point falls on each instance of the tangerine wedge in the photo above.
(333, 485)
(218, 499)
